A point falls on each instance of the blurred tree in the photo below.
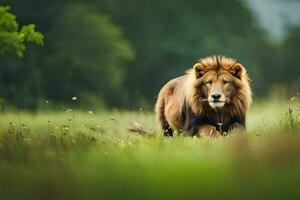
(12, 38)
(170, 35)
(86, 53)
(87, 57)
(289, 68)
(17, 82)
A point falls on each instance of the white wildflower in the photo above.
(293, 98)
(138, 125)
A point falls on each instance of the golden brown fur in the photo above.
(187, 103)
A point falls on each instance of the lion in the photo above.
(211, 99)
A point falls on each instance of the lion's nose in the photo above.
(216, 95)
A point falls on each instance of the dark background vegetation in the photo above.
(118, 53)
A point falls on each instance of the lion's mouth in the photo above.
(217, 101)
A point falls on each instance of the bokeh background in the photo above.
(118, 53)
(78, 79)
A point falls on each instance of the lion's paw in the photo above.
(236, 127)
(208, 131)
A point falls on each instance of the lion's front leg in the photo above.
(208, 131)
(236, 127)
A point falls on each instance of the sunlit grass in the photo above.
(271, 115)
(92, 155)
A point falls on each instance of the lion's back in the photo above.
(170, 101)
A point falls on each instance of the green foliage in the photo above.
(84, 55)
(12, 39)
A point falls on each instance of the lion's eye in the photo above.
(208, 83)
(226, 82)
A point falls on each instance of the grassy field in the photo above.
(89, 155)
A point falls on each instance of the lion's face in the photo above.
(218, 88)
(219, 80)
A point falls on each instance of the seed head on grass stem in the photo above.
(48, 120)
(74, 99)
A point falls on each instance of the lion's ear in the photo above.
(199, 70)
(237, 70)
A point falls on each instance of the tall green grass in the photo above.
(84, 155)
